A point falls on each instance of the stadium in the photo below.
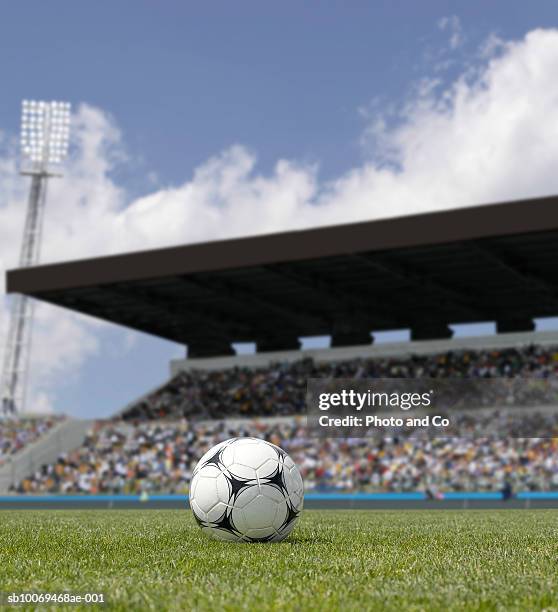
(280, 324)
(273, 290)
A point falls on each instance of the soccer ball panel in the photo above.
(208, 472)
(216, 513)
(199, 514)
(296, 500)
(220, 534)
(223, 488)
(285, 532)
(193, 485)
(244, 472)
(227, 455)
(239, 520)
(205, 492)
(260, 512)
(212, 454)
(288, 462)
(298, 485)
(264, 534)
(245, 496)
(273, 493)
(281, 515)
(268, 468)
(289, 480)
(253, 452)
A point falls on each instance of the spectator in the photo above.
(160, 457)
(280, 389)
(155, 445)
(15, 434)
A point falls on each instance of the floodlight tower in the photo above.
(45, 131)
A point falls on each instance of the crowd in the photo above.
(154, 445)
(153, 456)
(280, 389)
(15, 434)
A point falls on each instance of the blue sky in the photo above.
(168, 86)
(186, 79)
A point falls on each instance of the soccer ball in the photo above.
(246, 490)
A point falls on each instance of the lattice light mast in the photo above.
(45, 131)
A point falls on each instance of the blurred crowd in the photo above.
(280, 389)
(15, 434)
(159, 457)
(154, 445)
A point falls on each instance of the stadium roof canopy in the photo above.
(496, 262)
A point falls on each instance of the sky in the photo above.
(196, 121)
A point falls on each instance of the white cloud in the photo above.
(452, 25)
(490, 135)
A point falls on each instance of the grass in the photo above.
(335, 560)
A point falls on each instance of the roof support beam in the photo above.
(350, 336)
(517, 269)
(416, 278)
(204, 321)
(209, 347)
(135, 321)
(352, 306)
(278, 343)
(296, 317)
(507, 325)
(431, 331)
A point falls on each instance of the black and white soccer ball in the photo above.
(246, 490)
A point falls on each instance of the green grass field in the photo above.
(335, 560)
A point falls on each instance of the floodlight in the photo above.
(45, 132)
(44, 140)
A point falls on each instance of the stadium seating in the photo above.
(16, 434)
(280, 389)
(160, 456)
(155, 443)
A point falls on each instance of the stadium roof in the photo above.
(495, 262)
